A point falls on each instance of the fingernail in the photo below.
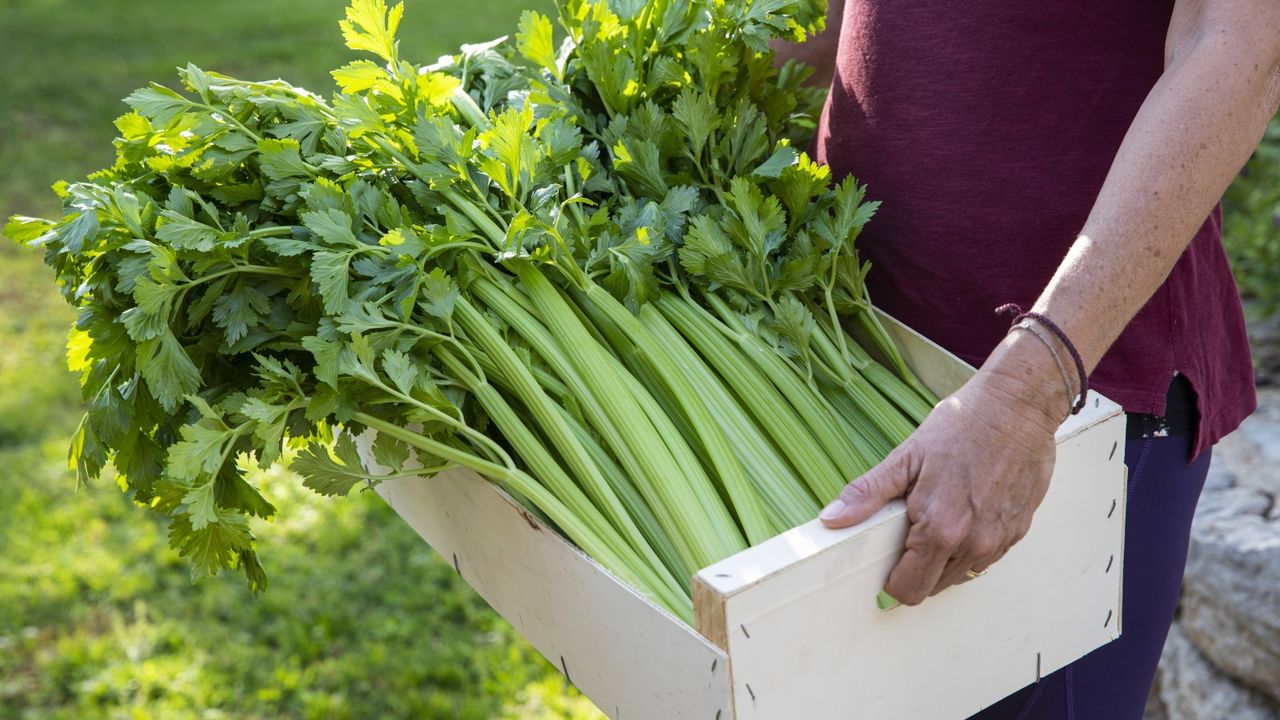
(833, 510)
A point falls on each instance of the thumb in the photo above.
(861, 498)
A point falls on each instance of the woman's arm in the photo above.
(1196, 129)
(819, 50)
(980, 464)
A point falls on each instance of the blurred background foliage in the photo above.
(98, 619)
(1251, 229)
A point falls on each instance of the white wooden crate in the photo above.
(790, 628)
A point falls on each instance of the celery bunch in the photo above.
(596, 272)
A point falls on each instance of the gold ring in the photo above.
(971, 574)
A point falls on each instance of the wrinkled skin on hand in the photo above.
(973, 475)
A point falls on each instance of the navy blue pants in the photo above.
(1112, 682)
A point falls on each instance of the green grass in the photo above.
(67, 63)
(98, 618)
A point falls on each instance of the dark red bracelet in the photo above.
(1012, 309)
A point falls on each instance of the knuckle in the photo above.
(947, 583)
(858, 491)
(1020, 533)
(912, 597)
(917, 507)
(948, 535)
(986, 545)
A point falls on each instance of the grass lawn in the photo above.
(67, 63)
(98, 619)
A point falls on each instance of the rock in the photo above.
(1252, 453)
(1231, 596)
(1263, 430)
(1155, 706)
(1192, 689)
(1222, 660)
(1219, 477)
(1264, 336)
(1228, 503)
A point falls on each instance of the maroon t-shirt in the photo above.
(987, 128)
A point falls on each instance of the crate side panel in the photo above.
(632, 659)
(944, 373)
(808, 640)
(938, 369)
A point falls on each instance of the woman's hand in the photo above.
(973, 474)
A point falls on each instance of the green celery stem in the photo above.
(700, 524)
(744, 497)
(562, 437)
(626, 446)
(821, 419)
(631, 497)
(772, 410)
(602, 550)
(786, 501)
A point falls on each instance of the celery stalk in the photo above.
(552, 424)
(743, 495)
(574, 526)
(755, 392)
(625, 448)
(787, 502)
(822, 420)
(637, 507)
(703, 528)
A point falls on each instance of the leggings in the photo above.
(1112, 682)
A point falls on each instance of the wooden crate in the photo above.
(790, 628)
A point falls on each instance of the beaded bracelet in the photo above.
(1012, 309)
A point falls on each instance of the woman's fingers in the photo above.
(861, 498)
(959, 568)
(922, 565)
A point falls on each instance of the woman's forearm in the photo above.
(1197, 127)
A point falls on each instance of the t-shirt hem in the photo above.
(1223, 421)
(1225, 417)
